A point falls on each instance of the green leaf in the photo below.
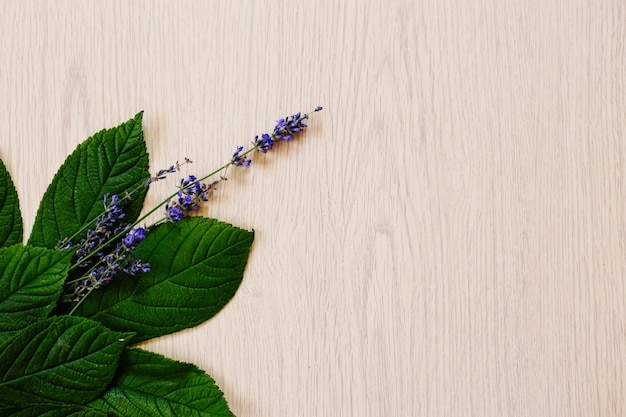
(151, 385)
(31, 281)
(11, 227)
(52, 410)
(112, 161)
(196, 268)
(58, 360)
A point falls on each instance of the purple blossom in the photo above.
(162, 174)
(136, 267)
(240, 160)
(174, 213)
(285, 129)
(189, 199)
(108, 225)
(289, 126)
(192, 193)
(113, 212)
(98, 258)
(264, 144)
(121, 260)
(133, 237)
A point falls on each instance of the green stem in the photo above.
(80, 301)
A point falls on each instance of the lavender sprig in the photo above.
(103, 265)
(109, 265)
(284, 130)
(93, 263)
(162, 174)
(191, 195)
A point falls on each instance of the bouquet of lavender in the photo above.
(94, 279)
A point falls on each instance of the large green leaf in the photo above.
(31, 281)
(112, 161)
(58, 360)
(11, 227)
(52, 410)
(149, 385)
(197, 266)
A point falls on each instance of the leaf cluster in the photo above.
(55, 364)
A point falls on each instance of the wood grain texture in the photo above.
(446, 240)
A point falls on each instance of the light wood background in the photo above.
(448, 239)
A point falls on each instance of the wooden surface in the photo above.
(446, 240)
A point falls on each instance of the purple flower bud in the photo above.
(240, 160)
(286, 128)
(136, 267)
(186, 200)
(133, 237)
(264, 144)
(174, 213)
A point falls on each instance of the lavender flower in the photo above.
(289, 126)
(264, 144)
(110, 265)
(133, 237)
(192, 193)
(240, 160)
(189, 199)
(95, 262)
(162, 174)
(136, 266)
(174, 213)
(107, 225)
(113, 212)
(285, 129)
